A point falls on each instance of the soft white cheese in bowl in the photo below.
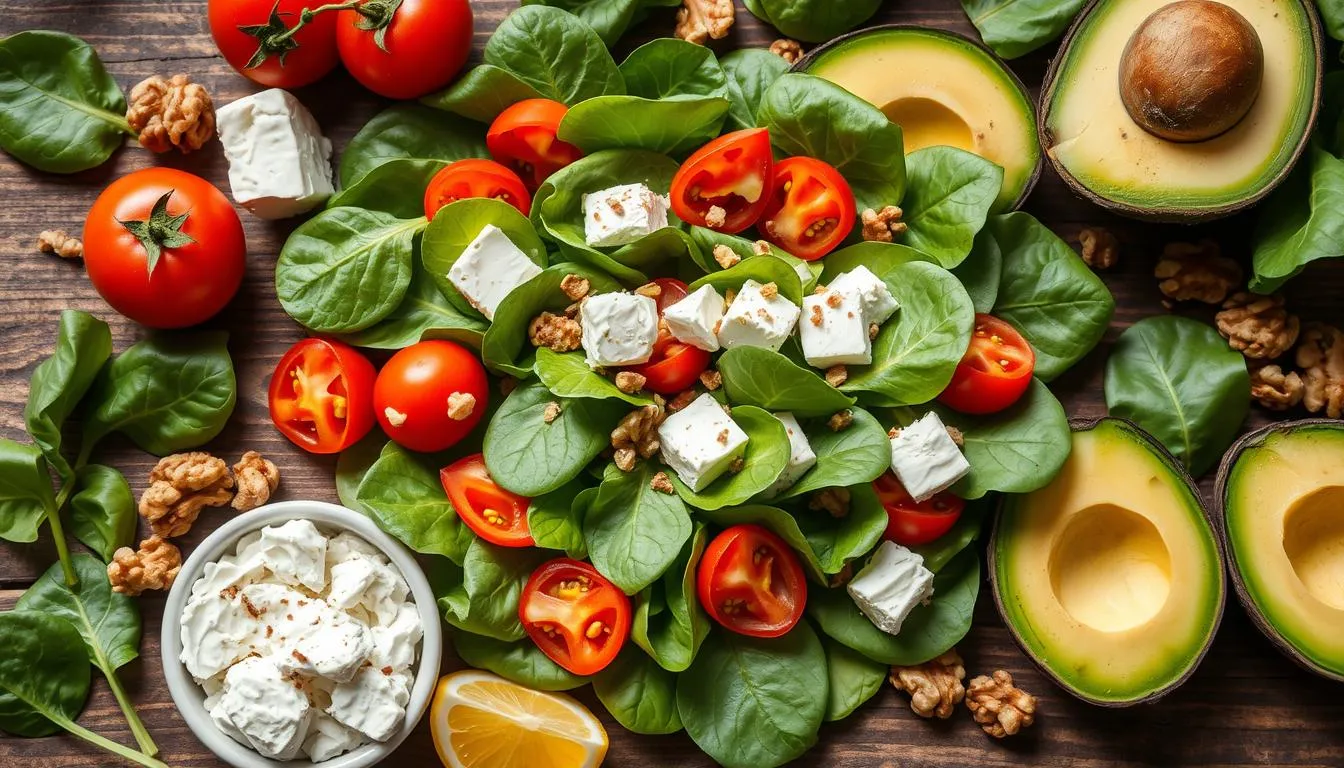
(301, 633)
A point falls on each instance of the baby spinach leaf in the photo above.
(641, 695)
(406, 499)
(762, 269)
(766, 379)
(981, 272)
(751, 72)
(835, 543)
(166, 393)
(854, 679)
(567, 375)
(673, 125)
(454, 228)
(25, 491)
(608, 18)
(1178, 379)
(396, 187)
(555, 519)
(522, 662)
(939, 552)
(755, 703)
(530, 457)
(633, 532)
(706, 239)
(485, 600)
(1049, 294)
(409, 131)
(353, 464)
(765, 459)
(505, 346)
(949, 193)
(1017, 27)
(102, 510)
(859, 453)
(482, 93)
(880, 258)
(60, 111)
(83, 345)
(44, 674)
(781, 523)
(108, 622)
(1300, 222)
(669, 623)
(555, 53)
(425, 313)
(668, 66)
(814, 21)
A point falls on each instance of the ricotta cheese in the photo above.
(618, 329)
(801, 456)
(700, 442)
(621, 215)
(876, 299)
(266, 708)
(695, 319)
(925, 458)
(489, 269)
(374, 703)
(755, 320)
(296, 553)
(834, 330)
(279, 161)
(890, 586)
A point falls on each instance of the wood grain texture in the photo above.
(1246, 706)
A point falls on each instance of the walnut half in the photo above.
(1001, 708)
(1321, 358)
(700, 20)
(180, 486)
(171, 113)
(256, 478)
(1257, 326)
(1197, 271)
(636, 436)
(1274, 389)
(935, 686)
(154, 566)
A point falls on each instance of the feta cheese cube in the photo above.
(890, 586)
(801, 456)
(621, 215)
(328, 738)
(489, 269)
(394, 645)
(373, 703)
(618, 329)
(695, 319)
(833, 330)
(876, 299)
(279, 161)
(753, 320)
(700, 442)
(925, 458)
(266, 708)
(296, 553)
(335, 649)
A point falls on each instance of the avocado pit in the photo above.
(1313, 540)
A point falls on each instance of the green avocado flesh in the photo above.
(1095, 144)
(942, 89)
(1110, 577)
(1283, 507)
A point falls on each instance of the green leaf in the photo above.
(484, 599)
(457, 225)
(506, 347)
(762, 269)
(425, 313)
(669, 623)
(353, 464)
(25, 491)
(670, 125)
(409, 131)
(669, 67)
(44, 673)
(857, 454)
(854, 679)
(981, 272)
(766, 456)
(814, 21)
(766, 379)
(83, 345)
(835, 543)
(522, 662)
(482, 93)
(751, 72)
(706, 239)
(406, 499)
(397, 187)
(555, 519)
(567, 375)
(641, 695)
(555, 53)
(1015, 28)
(633, 532)
(108, 622)
(608, 18)
(948, 197)
(880, 258)
(1300, 222)
(102, 510)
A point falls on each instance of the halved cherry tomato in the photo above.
(321, 396)
(995, 371)
(733, 173)
(523, 138)
(476, 178)
(420, 396)
(494, 514)
(670, 291)
(751, 582)
(911, 523)
(811, 209)
(674, 366)
(574, 615)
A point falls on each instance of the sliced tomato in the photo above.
(670, 291)
(476, 178)
(811, 208)
(674, 366)
(574, 615)
(523, 137)
(911, 523)
(995, 371)
(732, 173)
(321, 396)
(494, 514)
(751, 582)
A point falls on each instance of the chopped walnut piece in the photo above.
(58, 242)
(575, 287)
(180, 486)
(1257, 326)
(842, 578)
(883, 226)
(662, 484)
(817, 316)
(683, 399)
(956, 436)
(726, 257)
(636, 436)
(762, 248)
(700, 20)
(630, 382)
(837, 375)
(715, 217)
(935, 686)
(555, 332)
(171, 113)
(737, 465)
(873, 330)
(551, 412)
(651, 290)
(1001, 708)
(711, 379)
(152, 567)
(840, 420)
(394, 417)
(1321, 358)
(1200, 272)
(769, 291)
(835, 501)
(1100, 249)
(1274, 389)
(788, 50)
(461, 405)
(256, 478)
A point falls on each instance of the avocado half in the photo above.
(942, 89)
(1226, 95)
(1110, 578)
(1280, 491)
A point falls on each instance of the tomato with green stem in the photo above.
(404, 49)
(913, 523)
(476, 178)
(252, 37)
(732, 174)
(321, 396)
(811, 208)
(523, 137)
(575, 615)
(491, 512)
(995, 371)
(751, 582)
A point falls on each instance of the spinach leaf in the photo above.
(674, 125)
(555, 519)
(857, 454)
(766, 379)
(409, 131)
(1049, 294)
(530, 457)
(762, 269)
(60, 111)
(166, 393)
(555, 53)
(1178, 379)
(767, 455)
(755, 703)
(505, 346)
(835, 543)
(939, 552)
(854, 679)
(1017, 27)
(396, 187)
(668, 66)
(406, 499)
(948, 196)
(567, 375)
(669, 623)
(641, 695)
(981, 272)
(83, 345)
(108, 622)
(454, 228)
(816, 118)
(482, 93)
(484, 600)
(425, 313)
(102, 510)
(1300, 222)
(814, 21)
(346, 268)
(44, 674)
(633, 532)
(608, 18)
(353, 464)
(706, 239)
(25, 491)
(880, 258)
(751, 72)
(522, 662)
(779, 522)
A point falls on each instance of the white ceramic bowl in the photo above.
(189, 697)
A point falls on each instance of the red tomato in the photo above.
(310, 54)
(494, 514)
(670, 291)
(425, 45)
(321, 396)
(476, 178)
(751, 582)
(911, 523)
(574, 615)
(202, 251)
(674, 366)
(733, 173)
(422, 388)
(811, 209)
(995, 371)
(523, 138)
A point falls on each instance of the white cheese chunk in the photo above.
(269, 711)
(695, 319)
(890, 586)
(279, 161)
(621, 215)
(833, 330)
(220, 719)
(489, 269)
(350, 580)
(386, 594)
(878, 303)
(373, 703)
(347, 546)
(335, 649)
(217, 631)
(618, 329)
(296, 553)
(753, 320)
(700, 442)
(394, 645)
(328, 738)
(801, 456)
(925, 459)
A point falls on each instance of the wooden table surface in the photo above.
(1245, 706)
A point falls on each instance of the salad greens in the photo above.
(852, 679)
(669, 623)
(522, 662)
(608, 18)
(408, 132)
(855, 455)
(634, 533)
(555, 53)
(641, 695)
(453, 229)
(766, 379)
(950, 196)
(1015, 28)
(766, 456)
(750, 73)
(813, 21)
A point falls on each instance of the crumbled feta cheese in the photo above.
(876, 299)
(700, 442)
(925, 459)
(347, 546)
(890, 586)
(394, 645)
(279, 161)
(373, 703)
(621, 215)
(269, 710)
(217, 715)
(217, 632)
(350, 580)
(753, 320)
(801, 457)
(385, 595)
(618, 329)
(335, 649)
(695, 319)
(834, 331)
(328, 738)
(489, 269)
(296, 553)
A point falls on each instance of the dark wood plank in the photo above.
(1246, 705)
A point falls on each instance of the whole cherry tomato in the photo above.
(911, 523)
(422, 47)
(811, 208)
(241, 27)
(751, 582)
(523, 137)
(575, 615)
(995, 371)
(321, 395)
(476, 178)
(430, 395)
(732, 173)
(494, 514)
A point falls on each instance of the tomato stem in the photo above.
(275, 38)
